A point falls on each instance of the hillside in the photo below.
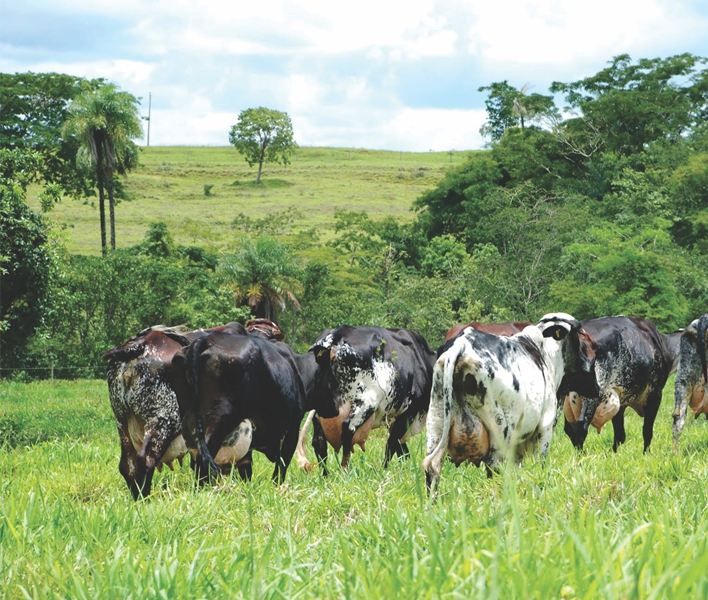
(169, 185)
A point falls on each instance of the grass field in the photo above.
(596, 525)
(169, 185)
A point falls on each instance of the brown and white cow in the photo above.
(377, 377)
(634, 360)
(496, 397)
(690, 385)
(142, 396)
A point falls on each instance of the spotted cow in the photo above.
(690, 385)
(633, 362)
(377, 377)
(227, 379)
(496, 397)
(142, 396)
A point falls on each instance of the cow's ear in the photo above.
(557, 331)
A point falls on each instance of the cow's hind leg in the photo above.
(319, 445)
(128, 465)
(348, 432)
(394, 446)
(287, 449)
(245, 466)
(618, 427)
(650, 411)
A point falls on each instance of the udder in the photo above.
(469, 439)
(333, 428)
(698, 399)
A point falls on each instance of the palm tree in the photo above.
(106, 120)
(263, 273)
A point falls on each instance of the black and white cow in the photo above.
(633, 362)
(496, 397)
(229, 380)
(142, 396)
(690, 385)
(376, 376)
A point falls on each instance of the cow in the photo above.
(225, 379)
(145, 406)
(376, 376)
(507, 328)
(496, 397)
(633, 362)
(690, 385)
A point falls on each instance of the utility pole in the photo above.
(149, 107)
(148, 117)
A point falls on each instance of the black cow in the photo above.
(376, 376)
(227, 379)
(690, 385)
(633, 362)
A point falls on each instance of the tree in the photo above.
(508, 107)
(263, 135)
(263, 273)
(25, 257)
(628, 105)
(33, 108)
(105, 120)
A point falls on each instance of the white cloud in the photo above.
(377, 74)
(557, 31)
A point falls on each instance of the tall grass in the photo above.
(592, 525)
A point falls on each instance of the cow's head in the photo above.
(578, 350)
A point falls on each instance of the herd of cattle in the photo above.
(492, 392)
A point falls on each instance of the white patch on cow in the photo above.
(236, 444)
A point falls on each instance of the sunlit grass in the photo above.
(169, 186)
(591, 525)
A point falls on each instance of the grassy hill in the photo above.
(169, 185)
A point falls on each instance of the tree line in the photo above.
(596, 207)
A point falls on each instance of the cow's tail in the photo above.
(302, 460)
(701, 329)
(440, 411)
(206, 465)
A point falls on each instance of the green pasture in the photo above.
(169, 185)
(592, 525)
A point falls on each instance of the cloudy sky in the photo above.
(379, 74)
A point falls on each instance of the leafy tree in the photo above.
(263, 135)
(508, 107)
(105, 121)
(158, 241)
(618, 271)
(455, 205)
(263, 274)
(628, 105)
(33, 109)
(26, 263)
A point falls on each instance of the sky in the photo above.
(377, 74)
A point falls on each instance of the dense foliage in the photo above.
(601, 211)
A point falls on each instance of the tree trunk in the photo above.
(261, 158)
(112, 212)
(101, 198)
